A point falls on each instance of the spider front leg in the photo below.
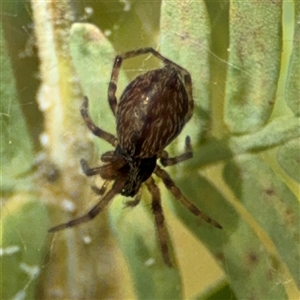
(89, 171)
(165, 160)
(108, 172)
(116, 189)
(170, 185)
(108, 137)
(159, 220)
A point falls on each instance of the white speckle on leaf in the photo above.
(107, 32)
(44, 139)
(31, 271)
(87, 239)
(88, 10)
(150, 262)
(19, 295)
(9, 250)
(68, 205)
(127, 5)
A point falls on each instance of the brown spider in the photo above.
(151, 113)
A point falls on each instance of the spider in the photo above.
(150, 114)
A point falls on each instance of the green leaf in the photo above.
(192, 40)
(271, 203)
(16, 147)
(236, 247)
(277, 132)
(93, 56)
(135, 231)
(220, 290)
(288, 157)
(253, 67)
(293, 79)
(228, 177)
(23, 235)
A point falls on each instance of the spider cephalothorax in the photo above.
(139, 171)
(151, 113)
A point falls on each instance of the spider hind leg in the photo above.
(161, 230)
(171, 186)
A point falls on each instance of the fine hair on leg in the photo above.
(166, 161)
(108, 137)
(159, 220)
(171, 186)
(116, 188)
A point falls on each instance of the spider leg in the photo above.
(130, 54)
(165, 160)
(134, 202)
(108, 156)
(108, 137)
(100, 191)
(159, 220)
(116, 188)
(106, 172)
(170, 185)
(90, 171)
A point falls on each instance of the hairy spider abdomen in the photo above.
(152, 111)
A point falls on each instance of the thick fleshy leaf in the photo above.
(93, 57)
(248, 249)
(288, 157)
(16, 147)
(187, 43)
(236, 247)
(23, 236)
(293, 79)
(253, 68)
(271, 203)
(135, 231)
(278, 132)
(220, 290)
